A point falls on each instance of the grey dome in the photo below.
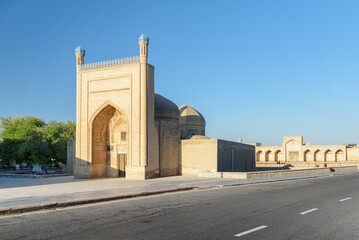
(165, 108)
(190, 116)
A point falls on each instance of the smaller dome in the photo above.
(194, 137)
(190, 116)
(165, 108)
(143, 37)
(80, 49)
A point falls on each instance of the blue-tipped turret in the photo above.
(143, 37)
(80, 49)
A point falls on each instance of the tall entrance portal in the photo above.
(117, 129)
(110, 137)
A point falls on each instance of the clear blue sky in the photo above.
(259, 70)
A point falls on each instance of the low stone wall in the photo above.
(295, 172)
(302, 165)
(275, 173)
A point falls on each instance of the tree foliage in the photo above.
(30, 140)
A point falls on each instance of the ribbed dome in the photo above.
(190, 116)
(80, 49)
(143, 37)
(165, 108)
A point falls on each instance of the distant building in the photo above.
(294, 151)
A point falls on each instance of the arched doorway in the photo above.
(328, 156)
(339, 156)
(307, 156)
(278, 156)
(318, 156)
(269, 156)
(109, 143)
(259, 155)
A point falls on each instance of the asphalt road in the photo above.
(321, 208)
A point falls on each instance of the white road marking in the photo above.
(342, 200)
(250, 231)
(311, 210)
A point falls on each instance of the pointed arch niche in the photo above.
(308, 157)
(339, 155)
(278, 156)
(109, 143)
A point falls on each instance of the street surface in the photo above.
(320, 208)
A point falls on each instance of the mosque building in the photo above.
(125, 129)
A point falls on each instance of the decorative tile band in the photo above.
(110, 63)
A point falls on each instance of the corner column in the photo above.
(79, 172)
(143, 41)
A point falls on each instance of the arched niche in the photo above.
(109, 143)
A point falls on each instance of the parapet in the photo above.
(109, 63)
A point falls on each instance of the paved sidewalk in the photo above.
(19, 195)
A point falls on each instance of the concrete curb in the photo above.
(34, 207)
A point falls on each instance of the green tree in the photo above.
(8, 151)
(14, 133)
(19, 128)
(37, 149)
(58, 134)
(29, 139)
